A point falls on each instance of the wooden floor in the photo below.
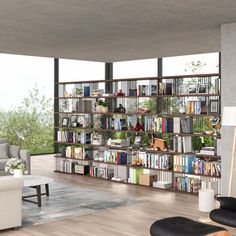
(122, 221)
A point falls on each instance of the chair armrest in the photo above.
(227, 203)
(25, 156)
(8, 183)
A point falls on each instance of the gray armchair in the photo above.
(8, 151)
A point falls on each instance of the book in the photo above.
(187, 144)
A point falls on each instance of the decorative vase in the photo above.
(18, 173)
(104, 109)
(99, 108)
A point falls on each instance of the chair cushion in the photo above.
(14, 151)
(223, 216)
(4, 150)
(180, 226)
(3, 163)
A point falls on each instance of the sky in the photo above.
(19, 74)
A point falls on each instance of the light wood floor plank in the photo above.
(132, 220)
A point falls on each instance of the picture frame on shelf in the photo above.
(73, 121)
(202, 88)
(214, 106)
(65, 121)
(137, 141)
(192, 88)
(183, 89)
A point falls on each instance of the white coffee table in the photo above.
(35, 181)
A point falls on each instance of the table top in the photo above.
(32, 180)
(35, 180)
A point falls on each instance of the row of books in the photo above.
(101, 172)
(146, 90)
(192, 164)
(187, 184)
(116, 157)
(78, 153)
(163, 162)
(74, 137)
(193, 107)
(67, 166)
(134, 175)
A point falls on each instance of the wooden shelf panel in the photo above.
(144, 96)
(145, 78)
(143, 150)
(132, 166)
(142, 186)
(134, 113)
(139, 132)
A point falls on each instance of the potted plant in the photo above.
(104, 107)
(16, 166)
(99, 106)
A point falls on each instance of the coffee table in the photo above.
(35, 181)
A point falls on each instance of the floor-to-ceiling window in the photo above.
(26, 102)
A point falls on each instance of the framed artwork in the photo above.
(137, 140)
(214, 106)
(183, 89)
(202, 88)
(65, 121)
(192, 88)
(73, 121)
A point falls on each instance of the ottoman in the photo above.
(180, 226)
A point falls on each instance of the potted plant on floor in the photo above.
(16, 167)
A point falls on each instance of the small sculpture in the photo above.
(120, 109)
(120, 93)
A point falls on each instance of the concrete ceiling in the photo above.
(112, 30)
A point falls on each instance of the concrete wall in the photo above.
(228, 90)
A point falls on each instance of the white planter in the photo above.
(18, 173)
(104, 109)
(99, 108)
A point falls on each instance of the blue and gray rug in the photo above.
(69, 201)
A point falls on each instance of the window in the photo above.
(191, 64)
(135, 69)
(26, 102)
(76, 70)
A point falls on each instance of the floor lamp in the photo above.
(229, 119)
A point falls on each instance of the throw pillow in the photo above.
(14, 151)
(4, 150)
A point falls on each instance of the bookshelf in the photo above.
(167, 127)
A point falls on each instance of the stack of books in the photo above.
(115, 156)
(101, 172)
(187, 184)
(156, 161)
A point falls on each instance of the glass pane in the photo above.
(191, 64)
(76, 70)
(135, 69)
(26, 102)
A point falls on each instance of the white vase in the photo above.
(18, 173)
(104, 109)
(99, 108)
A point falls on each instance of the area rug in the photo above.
(69, 201)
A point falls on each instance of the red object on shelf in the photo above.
(138, 126)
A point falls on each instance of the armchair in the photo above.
(10, 202)
(226, 214)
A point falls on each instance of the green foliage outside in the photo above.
(31, 124)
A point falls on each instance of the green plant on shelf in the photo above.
(119, 135)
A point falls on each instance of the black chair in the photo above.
(181, 226)
(226, 214)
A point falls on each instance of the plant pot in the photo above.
(104, 109)
(18, 173)
(99, 108)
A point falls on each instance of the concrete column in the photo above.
(228, 98)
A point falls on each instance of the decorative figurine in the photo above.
(120, 93)
(120, 109)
